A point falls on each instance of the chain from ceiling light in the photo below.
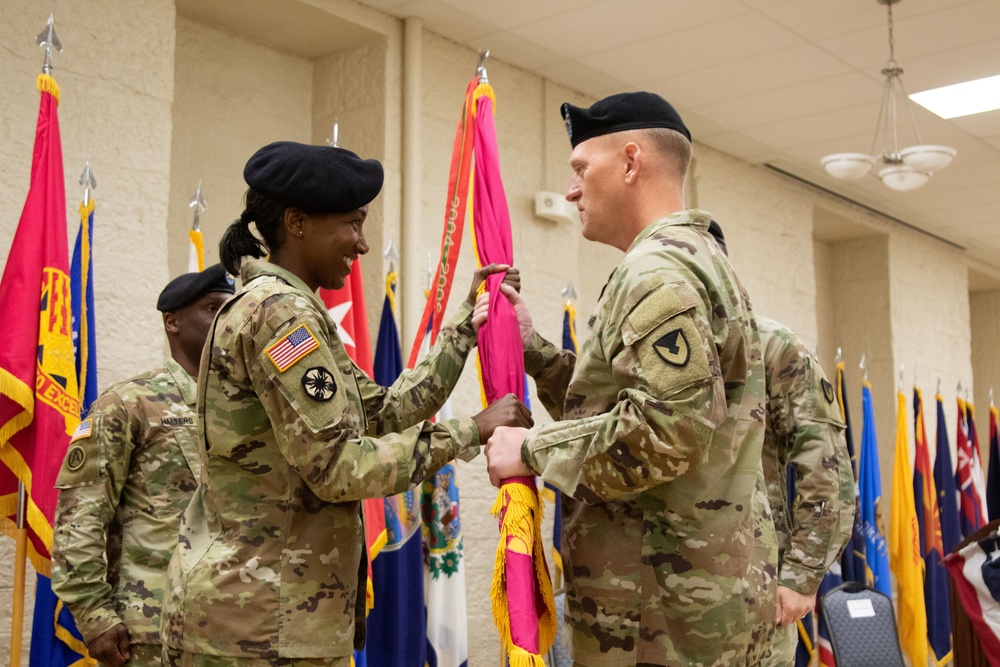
(901, 169)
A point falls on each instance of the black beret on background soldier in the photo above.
(272, 562)
(668, 544)
(129, 472)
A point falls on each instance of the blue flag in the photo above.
(59, 643)
(870, 496)
(397, 628)
(944, 481)
(936, 596)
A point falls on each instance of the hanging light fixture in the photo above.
(900, 169)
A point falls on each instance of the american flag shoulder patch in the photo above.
(291, 347)
(83, 430)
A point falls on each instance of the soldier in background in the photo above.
(129, 472)
(271, 567)
(804, 430)
(668, 542)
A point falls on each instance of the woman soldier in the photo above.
(271, 567)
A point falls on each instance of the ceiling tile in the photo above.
(447, 21)
(812, 97)
(613, 24)
(513, 13)
(964, 63)
(731, 39)
(754, 74)
(986, 124)
(516, 50)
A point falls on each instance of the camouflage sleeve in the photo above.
(91, 479)
(660, 423)
(812, 427)
(421, 391)
(320, 436)
(552, 369)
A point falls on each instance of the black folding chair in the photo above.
(862, 627)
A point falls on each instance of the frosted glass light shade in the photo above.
(848, 166)
(927, 157)
(903, 178)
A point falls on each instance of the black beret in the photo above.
(185, 289)
(716, 231)
(316, 179)
(617, 113)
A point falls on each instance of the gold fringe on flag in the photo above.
(46, 84)
(521, 521)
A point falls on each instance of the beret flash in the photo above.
(617, 113)
(187, 288)
(315, 179)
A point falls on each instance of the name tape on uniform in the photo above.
(293, 346)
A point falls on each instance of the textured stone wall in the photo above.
(116, 77)
(984, 316)
(231, 96)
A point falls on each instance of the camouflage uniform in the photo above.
(271, 563)
(123, 488)
(804, 429)
(668, 542)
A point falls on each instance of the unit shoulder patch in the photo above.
(673, 348)
(319, 385)
(827, 390)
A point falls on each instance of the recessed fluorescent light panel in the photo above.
(961, 99)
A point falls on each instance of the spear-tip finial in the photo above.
(50, 40)
(198, 204)
(840, 355)
(901, 378)
(391, 255)
(568, 293)
(481, 66)
(864, 367)
(88, 182)
(991, 398)
(334, 139)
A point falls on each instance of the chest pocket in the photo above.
(665, 346)
(164, 468)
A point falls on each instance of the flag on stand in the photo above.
(936, 597)
(970, 504)
(904, 548)
(978, 476)
(870, 497)
(444, 582)
(975, 571)
(944, 480)
(397, 627)
(993, 478)
(523, 605)
(347, 309)
(39, 392)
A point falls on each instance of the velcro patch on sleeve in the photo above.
(292, 347)
(83, 430)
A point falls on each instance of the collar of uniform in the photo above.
(691, 217)
(185, 383)
(255, 268)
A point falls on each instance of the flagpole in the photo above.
(20, 564)
(47, 39)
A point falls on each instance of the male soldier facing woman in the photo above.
(271, 566)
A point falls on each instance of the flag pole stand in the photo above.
(20, 560)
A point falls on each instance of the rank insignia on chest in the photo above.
(83, 430)
(827, 390)
(319, 384)
(673, 348)
(293, 346)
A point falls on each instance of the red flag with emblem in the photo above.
(39, 394)
(347, 308)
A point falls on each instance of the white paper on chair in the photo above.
(860, 608)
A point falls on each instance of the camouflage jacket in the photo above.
(128, 474)
(668, 543)
(271, 561)
(804, 430)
